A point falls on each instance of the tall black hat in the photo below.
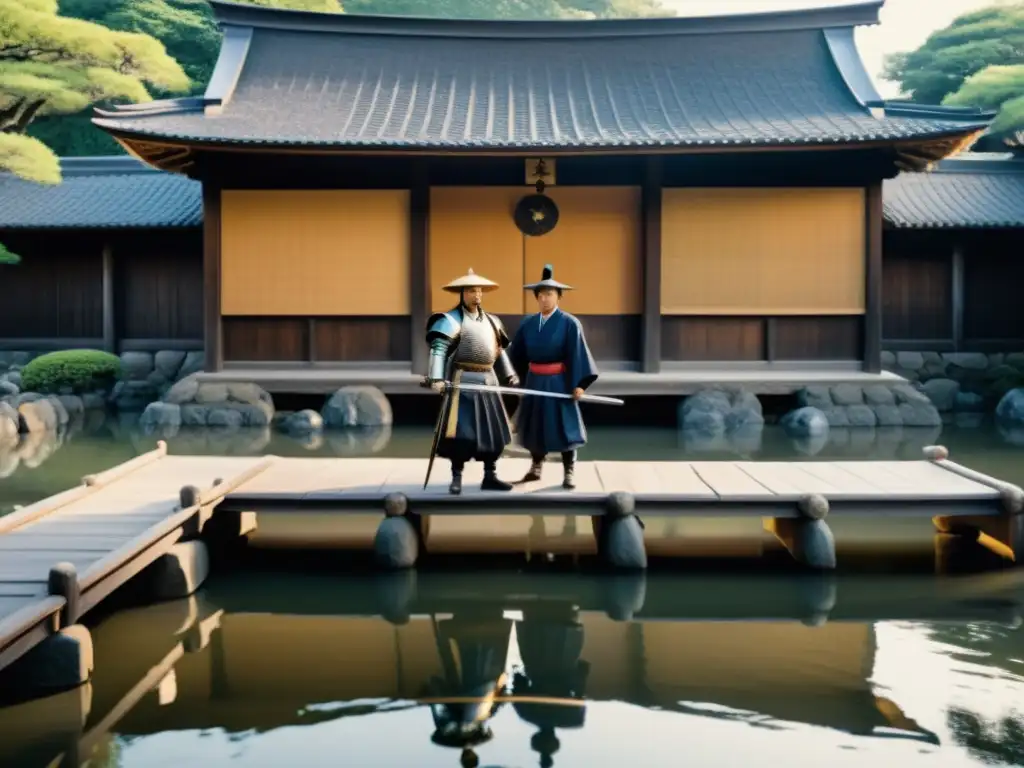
(547, 280)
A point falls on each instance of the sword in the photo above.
(437, 434)
(518, 391)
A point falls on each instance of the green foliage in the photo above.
(7, 257)
(978, 60)
(81, 370)
(28, 158)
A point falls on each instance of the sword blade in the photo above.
(519, 391)
(437, 435)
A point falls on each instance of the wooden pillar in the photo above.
(212, 326)
(957, 295)
(873, 279)
(419, 272)
(109, 310)
(651, 213)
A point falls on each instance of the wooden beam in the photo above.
(109, 310)
(650, 207)
(419, 267)
(957, 308)
(212, 326)
(873, 278)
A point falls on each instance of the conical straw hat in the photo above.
(470, 280)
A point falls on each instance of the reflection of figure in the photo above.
(550, 646)
(468, 345)
(473, 654)
(550, 352)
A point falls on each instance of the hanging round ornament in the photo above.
(536, 215)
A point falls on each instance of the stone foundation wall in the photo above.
(959, 381)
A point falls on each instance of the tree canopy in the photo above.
(978, 60)
(56, 65)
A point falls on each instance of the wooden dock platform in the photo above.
(116, 524)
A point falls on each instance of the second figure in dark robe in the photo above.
(550, 354)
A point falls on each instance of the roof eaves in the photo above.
(159, 107)
(897, 108)
(246, 15)
(847, 59)
(103, 165)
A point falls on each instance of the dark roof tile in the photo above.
(101, 193)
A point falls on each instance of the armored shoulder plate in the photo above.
(443, 325)
(499, 328)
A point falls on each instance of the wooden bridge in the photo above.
(61, 557)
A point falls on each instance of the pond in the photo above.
(268, 665)
(506, 669)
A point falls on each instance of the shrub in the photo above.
(80, 370)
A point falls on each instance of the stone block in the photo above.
(168, 362)
(879, 394)
(136, 366)
(61, 662)
(805, 422)
(847, 394)
(942, 393)
(911, 361)
(181, 571)
(395, 544)
(625, 543)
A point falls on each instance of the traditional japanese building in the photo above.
(717, 183)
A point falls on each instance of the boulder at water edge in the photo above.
(721, 419)
(1010, 410)
(302, 423)
(223, 405)
(357, 407)
(9, 422)
(805, 422)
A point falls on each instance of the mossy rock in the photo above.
(74, 370)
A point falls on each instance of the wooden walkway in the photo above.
(109, 528)
(117, 523)
(672, 487)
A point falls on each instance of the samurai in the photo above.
(468, 345)
(550, 353)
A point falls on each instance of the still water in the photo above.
(496, 668)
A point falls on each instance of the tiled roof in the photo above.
(102, 193)
(372, 82)
(969, 193)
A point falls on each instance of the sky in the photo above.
(905, 24)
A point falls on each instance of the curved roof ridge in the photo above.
(857, 13)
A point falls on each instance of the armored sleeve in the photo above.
(442, 332)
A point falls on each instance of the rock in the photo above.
(160, 415)
(193, 415)
(156, 379)
(911, 361)
(861, 416)
(888, 415)
(20, 359)
(37, 416)
(73, 404)
(395, 544)
(133, 395)
(254, 415)
(836, 416)
(8, 389)
(63, 417)
(303, 423)
(184, 391)
(814, 397)
(942, 393)
(847, 394)
(229, 418)
(976, 361)
(1014, 360)
(805, 422)
(9, 423)
(168, 362)
(968, 402)
(136, 366)
(879, 394)
(706, 423)
(209, 392)
(906, 393)
(13, 377)
(918, 414)
(888, 360)
(94, 401)
(250, 394)
(26, 397)
(194, 363)
(625, 543)
(712, 412)
(1010, 410)
(358, 406)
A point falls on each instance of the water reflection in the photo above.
(441, 670)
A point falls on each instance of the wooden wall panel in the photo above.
(315, 252)
(472, 227)
(266, 339)
(159, 286)
(993, 276)
(917, 291)
(57, 289)
(712, 338)
(762, 251)
(833, 337)
(351, 339)
(610, 337)
(596, 248)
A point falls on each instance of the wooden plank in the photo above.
(918, 479)
(357, 476)
(729, 481)
(33, 589)
(29, 541)
(841, 478)
(654, 477)
(33, 566)
(9, 605)
(96, 525)
(295, 477)
(786, 478)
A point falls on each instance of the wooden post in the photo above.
(873, 278)
(651, 213)
(212, 326)
(109, 316)
(957, 295)
(419, 268)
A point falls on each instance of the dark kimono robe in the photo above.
(546, 424)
